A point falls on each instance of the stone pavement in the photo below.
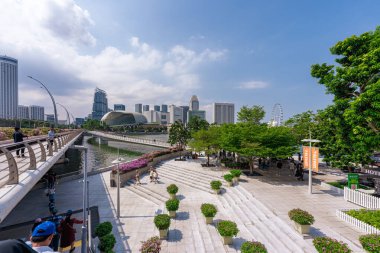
(259, 206)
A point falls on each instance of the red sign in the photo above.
(314, 158)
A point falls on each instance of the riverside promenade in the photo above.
(259, 206)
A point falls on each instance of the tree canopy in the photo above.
(196, 123)
(179, 134)
(301, 124)
(251, 115)
(207, 140)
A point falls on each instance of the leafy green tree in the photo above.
(179, 135)
(355, 85)
(196, 123)
(301, 124)
(206, 140)
(93, 124)
(251, 115)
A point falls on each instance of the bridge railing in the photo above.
(17, 158)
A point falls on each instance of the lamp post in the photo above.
(67, 113)
(52, 99)
(117, 162)
(310, 140)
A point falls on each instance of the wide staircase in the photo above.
(253, 218)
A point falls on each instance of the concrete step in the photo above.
(192, 171)
(185, 181)
(145, 189)
(143, 195)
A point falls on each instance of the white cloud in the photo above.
(253, 85)
(45, 36)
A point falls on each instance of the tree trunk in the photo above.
(251, 165)
(208, 160)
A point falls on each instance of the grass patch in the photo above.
(105, 147)
(371, 217)
(341, 185)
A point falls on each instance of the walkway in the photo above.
(258, 205)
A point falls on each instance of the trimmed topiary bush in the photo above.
(172, 204)
(228, 177)
(152, 245)
(301, 217)
(235, 173)
(107, 242)
(103, 229)
(253, 247)
(208, 210)
(216, 184)
(327, 245)
(371, 243)
(162, 221)
(227, 228)
(172, 189)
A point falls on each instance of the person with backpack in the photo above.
(56, 219)
(18, 136)
(68, 231)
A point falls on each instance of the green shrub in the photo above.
(172, 189)
(162, 221)
(371, 217)
(301, 217)
(253, 247)
(152, 245)
(371, 243)
(107, 242)
(103, 229)
(227, 228)
(228, 177)
(235, 173)
(327, 245)
(172, 204)
(216, 184)
(209, 210)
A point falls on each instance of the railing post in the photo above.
(55, 145)
(59, 142)
(13, 170)
(43, 152)
(50, 147)
(32, 157)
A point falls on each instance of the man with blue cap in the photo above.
(42, 236)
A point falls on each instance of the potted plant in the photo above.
(172, 190)
(215, 185)
(371, 243)
(162, 222)
(227, 229)
(152, 245)
(236, 174)
(172, 205)
(327, 244)
(209, 211)
(229, 178)
(106, 240)
(253, 247)
(103, 229)
(302, 220)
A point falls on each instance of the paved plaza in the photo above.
(258, 205)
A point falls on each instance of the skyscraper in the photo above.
(145, 108)
(157, 108)
(176, 113)
(164, 108)
(223, 113)
(100, 105)
(138, 108)
(23, 112)
(194, 103)
(36, 112)
(118, 107)
(8, 87)
(185, 109)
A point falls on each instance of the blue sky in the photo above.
(153, 52)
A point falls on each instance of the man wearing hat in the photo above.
(42, 236)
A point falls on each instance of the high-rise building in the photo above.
(138, 108)
(176, 113)
(79, 121)
(8, 87)
(185, 109)
(100, 105)
(164, 118)
(194, 103)
(50, 118)
(223, 113)
(200, 114)
(36, 112)
(23, 112)
(145, 108)
(164, 108)
(157, 108)
(118, 107)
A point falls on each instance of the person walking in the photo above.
(155, 176)
(56, 219)
(18, 136)
(151, 173)
(51, 178)
(51, 136)
(68, 231)
(42, 236)
(137, 178)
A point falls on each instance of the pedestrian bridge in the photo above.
(18, 175)
(124, 138)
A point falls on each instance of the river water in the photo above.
(101, 154)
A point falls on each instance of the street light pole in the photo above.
(52, 99)
(310, 140)
(117, 162)
(67, 113)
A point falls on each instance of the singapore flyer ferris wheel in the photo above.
(277, 116)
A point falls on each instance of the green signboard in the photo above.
(353, 181)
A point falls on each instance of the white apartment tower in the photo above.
(223, 113)
(175, 114)
(23, 112)
(37, 112)
(8, 87)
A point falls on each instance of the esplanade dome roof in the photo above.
(123, 118)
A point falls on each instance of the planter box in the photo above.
(227, 240)
(302, 229)
(235, 180)
(209, 220)
(357, 223)
(217, 191)
(172, 214)
(332, 188)
(230, 183)
(163, 234)
(172, 196)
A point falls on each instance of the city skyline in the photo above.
(260, 55)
